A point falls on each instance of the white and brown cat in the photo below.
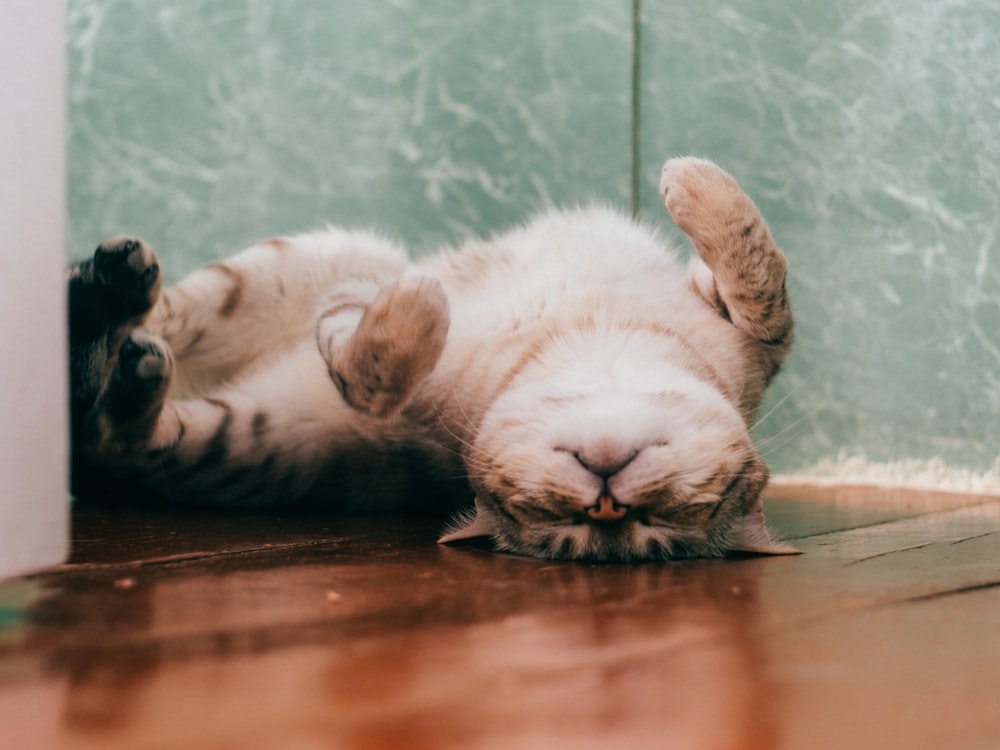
(587, 390)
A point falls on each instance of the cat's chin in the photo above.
(632, 541)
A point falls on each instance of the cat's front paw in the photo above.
(702, 198)
(145, 365)
(130, 402)
(127, 270)
(396, 345)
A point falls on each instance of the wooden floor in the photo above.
(180, 630)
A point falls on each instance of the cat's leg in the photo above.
(380, 344)
(741, 271)
(262, 301)
(264, 439)
(279, 435)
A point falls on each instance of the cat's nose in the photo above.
(607, 510)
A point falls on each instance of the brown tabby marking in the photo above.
(235, 293)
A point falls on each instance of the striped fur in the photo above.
(588, 391)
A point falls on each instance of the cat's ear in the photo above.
(750, 534)
(472, 524)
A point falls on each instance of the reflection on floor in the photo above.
(194, 630)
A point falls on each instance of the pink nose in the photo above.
(607, 510)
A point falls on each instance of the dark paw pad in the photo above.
(127, 268)
(144, 360)
(128, 407)
(141, 377)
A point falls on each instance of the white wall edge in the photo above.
(34, 498)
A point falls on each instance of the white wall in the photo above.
(33, 402)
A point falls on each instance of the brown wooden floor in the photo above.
(181, 630)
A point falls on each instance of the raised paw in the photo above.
(705, 201)
(744, 272)
(397, 343)
(130, 402)
(127, 270)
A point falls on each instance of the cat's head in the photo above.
(628, 465)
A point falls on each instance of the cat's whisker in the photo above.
(472, 449)
(785, 435)
(777, 405)
(463, 412)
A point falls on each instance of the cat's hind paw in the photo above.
(396, 344)
(127, 271)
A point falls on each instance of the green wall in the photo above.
(207, 124)
(867, 132)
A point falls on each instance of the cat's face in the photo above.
(633, 463)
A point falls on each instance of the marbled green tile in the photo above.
(867, 132)
(205, 124)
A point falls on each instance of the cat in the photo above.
(586, 393)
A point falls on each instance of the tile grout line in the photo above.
(634, 112)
